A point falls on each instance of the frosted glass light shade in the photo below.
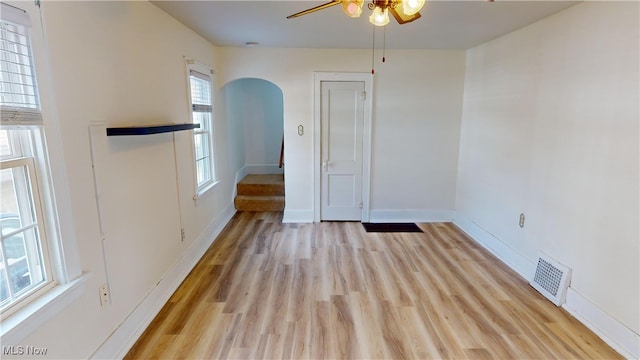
(379, 17)
(410, 7)
(352, 8)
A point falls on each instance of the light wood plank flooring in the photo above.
(332, 291)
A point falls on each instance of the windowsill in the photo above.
(22, 323)
(205, 189)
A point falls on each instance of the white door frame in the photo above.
(367, 78)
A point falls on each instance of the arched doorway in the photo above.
(255, 114)
(255, 136)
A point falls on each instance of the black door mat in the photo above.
(391, 227)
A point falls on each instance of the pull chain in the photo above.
(373, 51)
(384, 43)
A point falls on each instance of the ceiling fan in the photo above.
(404, 11)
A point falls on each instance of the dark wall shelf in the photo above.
(149, 129)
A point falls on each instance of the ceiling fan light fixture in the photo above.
(352, 8)
(411, 7)
(379, 17)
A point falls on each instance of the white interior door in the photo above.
(342, 121)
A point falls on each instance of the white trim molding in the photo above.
(622, 339)
(240, 174)
(297, 216)
(263, 169)
(415, 215)
(502, 251)
(124, 337)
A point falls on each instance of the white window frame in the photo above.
(50, 189)
(202, 72)
(37, 250)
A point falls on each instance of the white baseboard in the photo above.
(610, 330)
(263, 169)
(502, 251)
(306, 216)
(425, 216)
(618, 336)
(240, 174)
(122, 339)
(297, 216)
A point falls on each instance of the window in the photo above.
(25, 264)
(200, 95)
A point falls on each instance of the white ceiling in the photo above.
(444, 24)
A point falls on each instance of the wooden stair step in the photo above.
(259, 202)
(261, 184)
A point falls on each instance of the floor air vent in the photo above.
(551, 279)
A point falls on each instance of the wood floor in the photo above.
(331, 291)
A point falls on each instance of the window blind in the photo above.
(19, 103)
(200, 92)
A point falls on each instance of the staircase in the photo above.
(258, 192)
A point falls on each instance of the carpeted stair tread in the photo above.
(262, 184)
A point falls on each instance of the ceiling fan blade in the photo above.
(314, 9)
(402, 18)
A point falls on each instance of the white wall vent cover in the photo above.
(551, 279)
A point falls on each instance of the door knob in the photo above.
(325, 165)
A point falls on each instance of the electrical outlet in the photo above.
(104, 295)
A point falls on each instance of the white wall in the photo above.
(416, 119)
(121, 63)
(235, 135)
(254, 106)
(550, 129)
